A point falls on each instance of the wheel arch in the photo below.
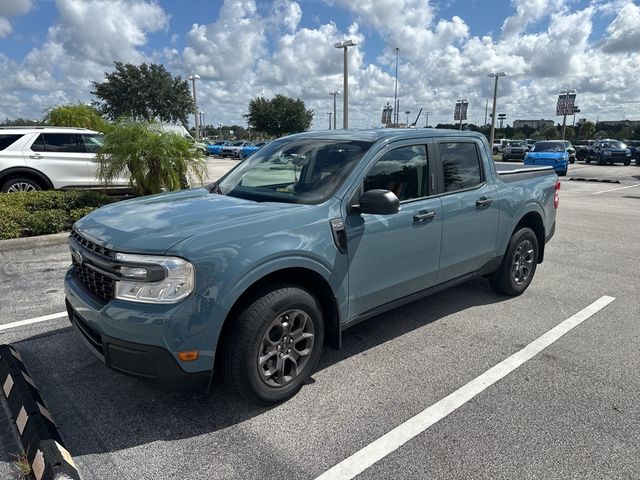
(28, 172)
(302, 277)
(533, 220)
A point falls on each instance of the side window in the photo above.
(92, 143)
(461, 165)
(38, 144)
(63, 143)
(8, 139)
(403, 170)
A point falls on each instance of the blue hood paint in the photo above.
(156, 223)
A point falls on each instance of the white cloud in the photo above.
(12, 8)
(624, 31)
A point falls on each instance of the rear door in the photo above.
(62, 157)
(393, 256)
(92, 144)
(469, 209)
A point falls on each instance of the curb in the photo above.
(601, 180)
(26, 243)
(41, 442)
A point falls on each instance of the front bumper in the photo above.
(142, 340)
(137, 360)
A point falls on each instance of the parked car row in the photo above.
(239, 149)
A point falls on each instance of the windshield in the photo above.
(294, 171)
(614, 144)
(548, 147)
(516, 144)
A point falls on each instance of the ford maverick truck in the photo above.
(312, 234)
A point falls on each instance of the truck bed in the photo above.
(510, 172)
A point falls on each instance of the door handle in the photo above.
(424, 216)
(483, 202)
(37, 155)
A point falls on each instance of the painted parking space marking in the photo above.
(31, 321)
(614, 189)
(391, 441)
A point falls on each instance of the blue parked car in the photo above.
(216, 147)
(248, 150)
(549, 153)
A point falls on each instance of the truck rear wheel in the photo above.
(518, 265)
(274, 345)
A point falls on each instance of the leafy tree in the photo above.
(79, 115)
(550, 133)
(155, 161)
(144, 92)
(279, 116)
(587, 129)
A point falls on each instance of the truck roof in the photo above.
(389, 134)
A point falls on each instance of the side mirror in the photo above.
(378, 202)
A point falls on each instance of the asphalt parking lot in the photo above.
(571, 411)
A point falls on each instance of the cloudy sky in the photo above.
(51, 51)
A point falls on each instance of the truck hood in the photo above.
(154, 224)
(546, 155)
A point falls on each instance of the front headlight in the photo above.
(153, 279)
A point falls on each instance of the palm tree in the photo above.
(155, 160)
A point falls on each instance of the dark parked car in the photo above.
(609, 151)
(515, 150)
(582, 148)
(634, 147)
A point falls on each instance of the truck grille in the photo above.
(95, 282)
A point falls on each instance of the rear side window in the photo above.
(8, 139)
(403, 170)
(461, 165)
(92, 143)
(38, 144)
(63, 143)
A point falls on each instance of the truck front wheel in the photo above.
(518, 265)
(273, 345)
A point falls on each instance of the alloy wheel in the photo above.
(21, 187)
(522, 265)
(285, 348)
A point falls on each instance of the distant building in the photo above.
(537, 124)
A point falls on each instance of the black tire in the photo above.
(601, 160)
(627, 163)
(254, 331)
(20, 184)
(505, 158)
(587, 160)
(495, 151)
(518, 265)
(563, 173)
(572, 161)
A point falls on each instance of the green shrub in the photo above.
(11, 221)
(40, 213)
(46, 221)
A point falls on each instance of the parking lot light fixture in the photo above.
(395, 90)
(495, 96)
(408, 112)
(193, 79)
(330, 114)
(345, 46)
(334, 94)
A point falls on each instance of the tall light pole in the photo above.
(407, 113)
(334, 94)
(345, 114)
(201, 113)
(395, 91)
(426, 123)
(193, 79)
(495, 96)
(330, 113)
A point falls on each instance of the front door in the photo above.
(392, 256)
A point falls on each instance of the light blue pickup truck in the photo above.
(312, 234)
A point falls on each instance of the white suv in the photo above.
(41, 158)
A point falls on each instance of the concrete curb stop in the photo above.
(26, 243)
(42, 444)
(601, 180)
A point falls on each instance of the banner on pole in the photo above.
(566, 104)
(460, 112)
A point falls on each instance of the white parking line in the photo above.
(380, 448)
(614, 189)
(31, 321)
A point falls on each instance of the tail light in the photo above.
(556, 196)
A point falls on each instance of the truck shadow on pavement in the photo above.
(100, 411)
